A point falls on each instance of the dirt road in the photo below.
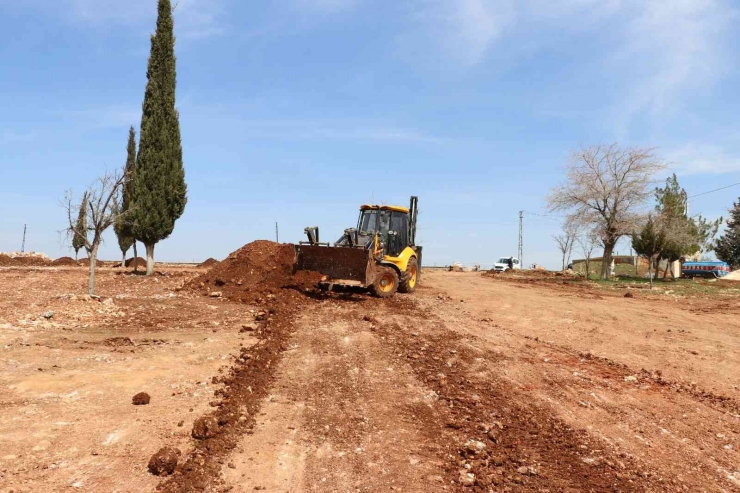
(470, 384)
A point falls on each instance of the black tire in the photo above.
(408, 284)
(385, 284)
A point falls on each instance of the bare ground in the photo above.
(470, 384)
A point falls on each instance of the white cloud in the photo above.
(463, 30)
(193, 18)
(671, 49)
(696, 158)
(326, 130)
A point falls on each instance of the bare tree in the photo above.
(605, 190)
(566, 240)
(102, 207)
(588, 243)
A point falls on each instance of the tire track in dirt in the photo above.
(342, 416)
(502, 439)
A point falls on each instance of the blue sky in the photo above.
(298, 111)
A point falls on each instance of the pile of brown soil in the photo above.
(32, 261)
(140, 261)
(209, 263)
(256, 274)
(259, 268)
(7, 261)
(64, 262)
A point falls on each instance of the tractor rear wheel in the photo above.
(385, 284)
(408, 284)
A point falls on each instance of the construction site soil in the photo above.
(138, 260)
(208, 263)
(64, 262)
(474, 383)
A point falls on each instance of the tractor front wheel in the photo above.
(386, 283)
(408, 285)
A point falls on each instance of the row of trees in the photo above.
(669, 233)
(605, 197)
(144, 199)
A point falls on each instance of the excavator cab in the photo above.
(380, 252)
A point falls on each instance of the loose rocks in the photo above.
(164, 462)
(205, 427)
(141, 399)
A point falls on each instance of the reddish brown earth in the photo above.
(209, 263)
(472, 383)
(139, 261)
(64, 262)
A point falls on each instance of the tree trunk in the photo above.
(136, 259)
(650, 272)
(77, 255)
(587, 262)
(123, 264)
(93, 264)
(606, 261)
(149, 259)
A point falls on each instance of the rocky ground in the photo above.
(473, 383)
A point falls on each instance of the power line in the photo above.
(715, 190)
(551, 218)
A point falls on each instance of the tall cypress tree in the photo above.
(160, 192)
(123, 226)
(727, 247)
(78, 240)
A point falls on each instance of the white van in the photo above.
(507, 263)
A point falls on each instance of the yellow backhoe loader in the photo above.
(380, 253)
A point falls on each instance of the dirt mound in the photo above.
(32, 261)
(261, 267)
(140, 261)
(141, 399)
(255, 274)
(209, 263)
(164, 462)
(7, 261)
(64, 262)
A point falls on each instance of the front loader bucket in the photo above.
(336, 263)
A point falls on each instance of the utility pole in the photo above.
(277, 236)
(521, 239)
(23, 246)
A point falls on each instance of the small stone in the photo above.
(205, 427)
(48, 315)
(261, 316)
(216, 294)
(474, 447)
(231, 465)
(180, 424)
(629, 295)
(630, 378)
(164, 462)
(467, 479)
(523, 470)
(141, 399)
(248, 328)
(493, 434)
